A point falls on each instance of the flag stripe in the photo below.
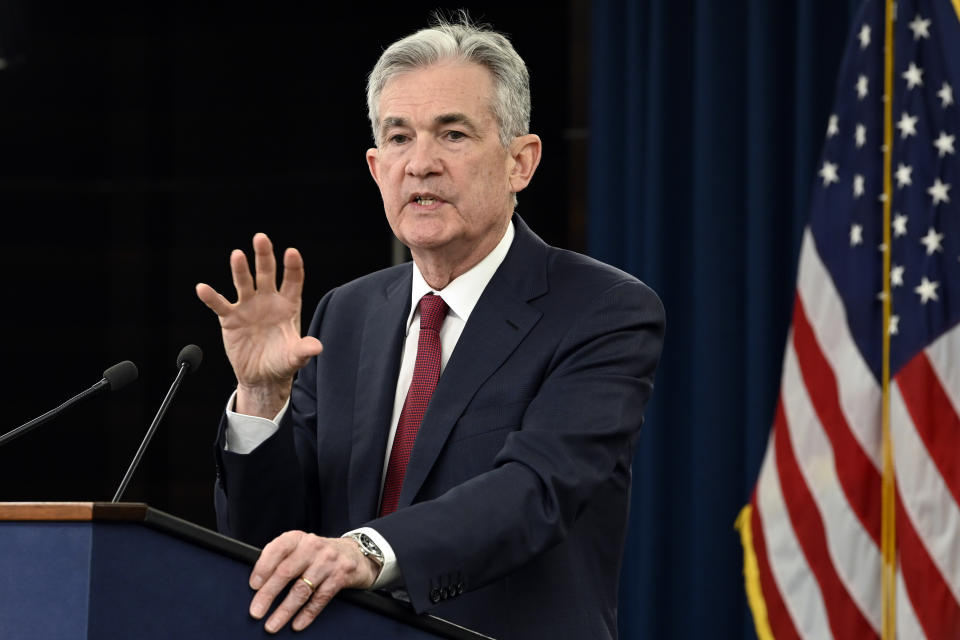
(934, 418)
(777, 614)
(928, 504)
(845, 618)
(943, 358)
(853, 553)
(907, 624)
(788, 565)
(859, 392)
(858, 477)
(933, 603)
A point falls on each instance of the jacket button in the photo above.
(459, 588)
(444, 593)
(435, 596)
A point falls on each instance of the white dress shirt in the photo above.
(245, 433)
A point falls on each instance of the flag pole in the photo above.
(888, 513)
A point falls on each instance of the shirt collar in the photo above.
(463, 292)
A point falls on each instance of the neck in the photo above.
(441, 267)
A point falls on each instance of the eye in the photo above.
(455, 135)
(397, 138)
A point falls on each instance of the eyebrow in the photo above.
(444, 118)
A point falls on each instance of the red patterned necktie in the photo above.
(426, 373)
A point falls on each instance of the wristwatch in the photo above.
(368, 547)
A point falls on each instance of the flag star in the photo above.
(927, 290)
(939, 192)
(904, 175)
(913, 76)
(862, 87)
(932, 241)
(920, 28)
(856, 234)
(881, 295)
(829, 173)
(944, 143)
(833, 126)
(907, 125)
(899, 225)
(864, 36)
(857, 185)
(946, 95)
(894, 327)
(896, 276)
(860, 135)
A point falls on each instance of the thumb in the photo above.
(306, 348)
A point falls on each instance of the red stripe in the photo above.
(858, 476)
(780, 621)
(846, 619)
(933, 602)
(934, 418)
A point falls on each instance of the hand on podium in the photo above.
(319, 568)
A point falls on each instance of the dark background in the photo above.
(139, 143)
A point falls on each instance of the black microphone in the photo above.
(188, 360)
(116, 377)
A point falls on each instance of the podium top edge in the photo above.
(72, 511)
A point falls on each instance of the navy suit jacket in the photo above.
(513, 512)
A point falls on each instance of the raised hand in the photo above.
(261, 330)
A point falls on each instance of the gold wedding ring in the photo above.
(308, 583)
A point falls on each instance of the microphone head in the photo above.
(191, 356)
(120, 375)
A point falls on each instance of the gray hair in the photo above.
(461, 42)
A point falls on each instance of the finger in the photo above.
(216, 302)
(293, 274)
(321, 597)
(240, 270)
(299, 596)
(265, 263)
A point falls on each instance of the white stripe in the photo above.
(926, 499)
(853, 553)
(860, 395)
(943, 355)
(908, 627)
(791, 573)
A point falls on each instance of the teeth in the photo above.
(426, 201)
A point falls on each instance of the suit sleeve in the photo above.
(582, 422)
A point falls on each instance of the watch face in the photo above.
(369, 545)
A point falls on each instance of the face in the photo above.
(446, 180)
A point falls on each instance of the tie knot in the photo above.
(432, 312)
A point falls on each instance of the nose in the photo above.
(424, 158)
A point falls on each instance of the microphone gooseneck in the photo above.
(114, 378)
(188, 360)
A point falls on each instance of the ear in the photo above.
(372, 164)
(525, 156)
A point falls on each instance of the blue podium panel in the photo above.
(44, 580)
(128, 571)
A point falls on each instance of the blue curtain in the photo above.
(705, 127)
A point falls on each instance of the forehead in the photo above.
(448, 87)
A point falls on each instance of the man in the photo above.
(472, 417)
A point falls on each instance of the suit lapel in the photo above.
(497, 325)
(379, 361)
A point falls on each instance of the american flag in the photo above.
(812, 531)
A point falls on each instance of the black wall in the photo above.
(139, 144)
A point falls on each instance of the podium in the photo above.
(98, 571)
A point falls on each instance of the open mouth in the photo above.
(425, 199)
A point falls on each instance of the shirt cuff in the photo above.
(390, 573)
(245, 433)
